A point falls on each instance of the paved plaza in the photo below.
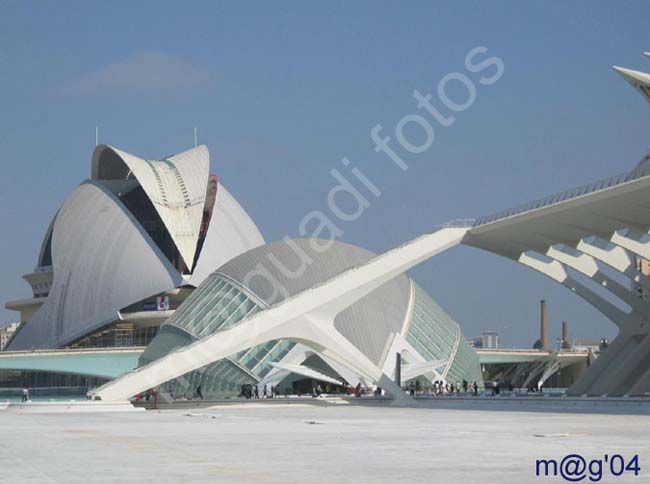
(304, 442)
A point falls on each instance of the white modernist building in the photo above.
(397, 316)
(126, 248)
(587, 239)
(142, 232)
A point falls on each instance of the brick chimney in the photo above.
(544, 327)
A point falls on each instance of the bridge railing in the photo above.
(460, 223)
(641, 171)
(63, 351)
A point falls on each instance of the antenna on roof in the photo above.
(196, 138)
(96, 135)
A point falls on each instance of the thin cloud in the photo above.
(141, 71)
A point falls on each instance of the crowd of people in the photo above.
(440, 388)
(253, 392)
(414, 387)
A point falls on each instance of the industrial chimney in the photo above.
(544, 328)
(565, 335)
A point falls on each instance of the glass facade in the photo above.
(218, 304)
(116, 335)
(465, 365)
(47, 382)
(436, 336)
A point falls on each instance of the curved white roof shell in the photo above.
(103, 260)
(231, 232)
(281, 269)
(637, 79)
(176, 186)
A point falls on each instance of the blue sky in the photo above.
(281, 93)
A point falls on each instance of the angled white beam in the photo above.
(296, 355)
(616, 257)
(556, 271)
(306, 371)
(534, 369)
(408, 354)
(628, 242)
(553, 269)
(307, 317)
(551, 367)
(418, 369)
(580, 262)
(586, 265)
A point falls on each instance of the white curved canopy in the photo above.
(176, 186)
(639, 80)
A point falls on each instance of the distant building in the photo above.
(490, 340)
(6, 334)
(487, 340)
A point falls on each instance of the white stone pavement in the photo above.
(313, 443)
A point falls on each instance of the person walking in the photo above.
(264, 394)
(25, 397)
(256, 393)
(475, 387)
(465, 383)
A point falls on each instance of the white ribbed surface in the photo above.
(103, 261)
(368, 323)
(176, 186)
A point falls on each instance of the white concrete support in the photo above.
(307, 317)
(550, 368)
(589, 378)
(556, 271)
(615, 257)
(428, 369)
(410, 358)
(630, 369)
(306, 371)
(630, 242)
(296, 356)
(641, 386)
(299, 354)
(585, 264)
(535, 369)
(622, 367)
